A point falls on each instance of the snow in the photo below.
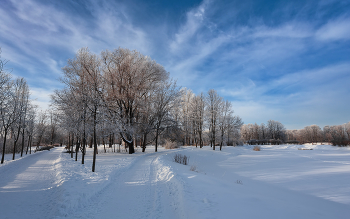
(237, 182)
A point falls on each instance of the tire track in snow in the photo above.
(145, 189)
(31, 176)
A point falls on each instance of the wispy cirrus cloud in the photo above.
(337, 29)
(260, 66)
(273, 60)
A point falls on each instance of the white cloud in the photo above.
(287, 30)
(338, 29)
(194, 21)
(312, 95)
(41, 97)
(234, 59)
(313, 77)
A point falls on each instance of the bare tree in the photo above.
(198, 108)
(234, 125)
(186, 115)
(30, 125)
(129, 77)
(7, 112)
(19, 105)
(224, 114)
(41, 127)
(213, 103)
(166, 97)
(275, 130)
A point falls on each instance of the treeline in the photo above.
(275, 133)
(122, 95)
(17, 114)
(338, 135)
(272, 133)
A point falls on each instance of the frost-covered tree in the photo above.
(40, 127)
(213, 103)
(129, 78)
(20, 92)
(186, 115)
(14, 102)
(166, 96)
(82, 94)
(7, 112)
(225, 112)
(30, 126)
(234, 125)
(198, 113)
(274, 132)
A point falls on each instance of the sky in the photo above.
(287, 61)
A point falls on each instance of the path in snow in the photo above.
(27, 185)
(146, 188)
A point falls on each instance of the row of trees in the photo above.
(207, 119)
(124, 95)
(273, 132)
(17, 114)
(337, 135)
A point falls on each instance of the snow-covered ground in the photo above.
(237, 182)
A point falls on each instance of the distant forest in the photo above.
(275, 133)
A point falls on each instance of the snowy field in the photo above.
(276, 182)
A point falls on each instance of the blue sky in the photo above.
(282, 60)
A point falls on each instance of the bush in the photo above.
(340, 143)
(170, 145)
(181, 159)
(235, 143)
(256, 148)
(193, 168)
(43, 148)
(292, 142)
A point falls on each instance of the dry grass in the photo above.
(170, 145)
(256, 148)
(182, 159)
(239, 182)
(193, 168)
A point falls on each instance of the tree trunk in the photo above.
(28, 145)
(77, 149)
(71, 151)
(84, 137)
(228, 138)
(3, 147)
(22, 143)
(15, 143)
(156, 149)
(95, 145)
(144, 143)
(214, 137)
(104, 143)
(131, 147)
(110, 141)
(68, 141)
(84, 144)
(222, 138)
